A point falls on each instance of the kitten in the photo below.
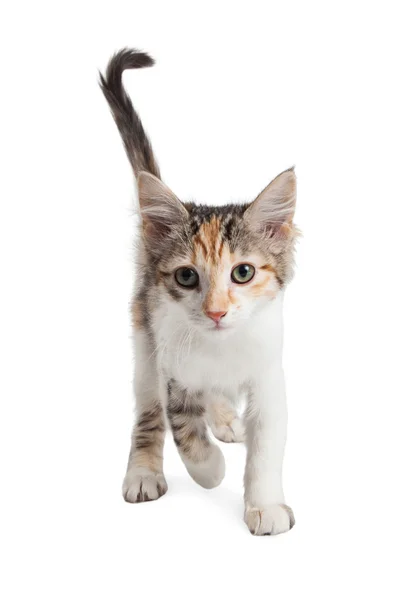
(207, 318)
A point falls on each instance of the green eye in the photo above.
(243, 273)
(186, 277)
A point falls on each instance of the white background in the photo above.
(240, 92)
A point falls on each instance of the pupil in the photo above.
(187, 274)
(243, 269)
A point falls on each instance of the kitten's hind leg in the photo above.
(224, 420)
(187, 415)
(144, 479)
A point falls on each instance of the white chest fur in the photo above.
(218, 360)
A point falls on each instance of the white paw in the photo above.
(209, 473)
(141, 485)
(229, 433)
(271, 520)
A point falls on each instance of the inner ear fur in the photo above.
(160, 209)
(271, 213)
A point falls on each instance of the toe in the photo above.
(234, 432)
(271, 520)
(143, 486)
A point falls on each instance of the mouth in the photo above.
(219, 327)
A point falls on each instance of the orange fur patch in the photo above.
(268, 268)
(213, 255)
(216, 300)
(208, 241)
(261, 288)
(137, 314)
(198, 245)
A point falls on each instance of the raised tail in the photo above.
(136, 142)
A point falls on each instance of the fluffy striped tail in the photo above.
(136, 142)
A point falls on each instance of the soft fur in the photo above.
(197, 349)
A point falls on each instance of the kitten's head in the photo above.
(219, 265)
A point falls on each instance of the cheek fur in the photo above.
(234, 300)
(265, 286)
(168, 283)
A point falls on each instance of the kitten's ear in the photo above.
(272, 211)
(161, 210)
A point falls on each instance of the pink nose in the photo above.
(215, 316)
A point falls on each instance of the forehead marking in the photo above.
(209, 240)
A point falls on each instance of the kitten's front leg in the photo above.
(144, 479)
(266, 416)
(204, 461)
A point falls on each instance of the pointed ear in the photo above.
(160, 209)
(272, 211)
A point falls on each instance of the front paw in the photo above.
(271, 520)
(141, 485)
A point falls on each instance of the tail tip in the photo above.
(131, 58)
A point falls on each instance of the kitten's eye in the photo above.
(243, 273)
(187, 277)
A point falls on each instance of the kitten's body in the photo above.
(199, 346)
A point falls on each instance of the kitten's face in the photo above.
(217, 285)
(218, 266)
